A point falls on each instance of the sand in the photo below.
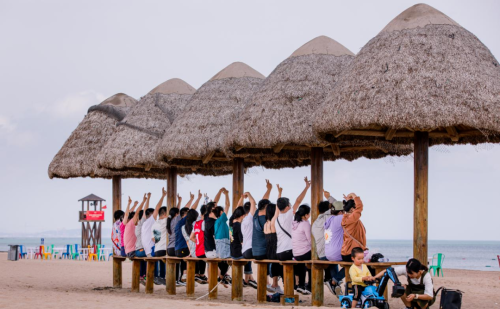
(81, 284)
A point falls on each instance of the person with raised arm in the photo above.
(259, 220)
(181, 245)
(283, 225)
(122, 230)
(129, 238)
(159, 235)
(247, 232)
(276, 270)
(198, 237)
(354, 230)
(116, 236)
(139, 219)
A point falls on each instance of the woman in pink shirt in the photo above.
(301, 246)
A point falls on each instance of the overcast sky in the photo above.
(58, 58)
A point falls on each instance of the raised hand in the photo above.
(129, 200)
(280, 189)
(327, 194)
(191, 196)
(135, 203)
(269, 185)
(199, 194)
(149, 195)
(308, 182)
(163, 192)
(179, 197)
(145, 197)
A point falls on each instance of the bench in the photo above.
(317, 276)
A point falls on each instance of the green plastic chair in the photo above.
(98, 252)
(437, 262)
(74, 252)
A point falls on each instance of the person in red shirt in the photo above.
(198, 237)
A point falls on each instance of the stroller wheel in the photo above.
(346, 303)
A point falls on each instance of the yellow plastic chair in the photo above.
(92, 255)
(47, 254)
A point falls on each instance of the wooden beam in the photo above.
(452, 131)
(207, 157)
(238, 148)
(117, 273)
(389, 134)
(171, 187)
(316, 197)
(420, 213)
(278, 148)
(238, 180)
(335, 149)
(148, 167)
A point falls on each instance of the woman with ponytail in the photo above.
(301, 246)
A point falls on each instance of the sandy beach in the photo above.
(80, 284)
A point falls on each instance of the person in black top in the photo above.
(237, 241)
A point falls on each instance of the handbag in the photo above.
(450, 299)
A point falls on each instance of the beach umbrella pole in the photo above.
(238, 180)
(420, 224)
(171, 187)
(316, 197)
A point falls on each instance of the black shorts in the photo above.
(358, 290)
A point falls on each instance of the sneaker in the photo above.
(245, 284)
(163, 281)
(156, 281)
(300, 290)
(338, 290)
(183, 278)
(307, 290)
(180, 283)
(200, 280)
(331, 287)
(270, 288)
(228, 279)
(204, 278)
(278, 289)
(252, 283)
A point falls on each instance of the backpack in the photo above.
(450, 299)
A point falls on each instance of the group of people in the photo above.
(264, 230)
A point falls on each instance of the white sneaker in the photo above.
(278, 289)
(270, 288)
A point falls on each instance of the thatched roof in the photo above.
(422, 72)
(275, 126)
(135, 141)
(196, 137)
(78, 156)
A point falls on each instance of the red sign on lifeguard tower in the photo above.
(92, 215)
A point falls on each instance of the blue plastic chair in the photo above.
(75, 254)
(22, 254)
(67, 253)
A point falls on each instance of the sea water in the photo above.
(473, 255)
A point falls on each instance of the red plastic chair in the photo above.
(39, 253)
(498, 257)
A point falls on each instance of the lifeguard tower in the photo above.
(91, 220)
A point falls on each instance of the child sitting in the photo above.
(359, 274)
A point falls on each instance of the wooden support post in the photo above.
(171, 187)
(421, 160)
(317, 289)
(261, 282)
(288, 279)
(237, 285)
(117, 273)
(238, 180)
(191, 266)
(150, 276)
(170, 277)
(136, 266)
(213, 275)
(117, 205)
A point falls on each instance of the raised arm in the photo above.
(330, 198)
(160, 202)
(136, 215)
(191, 198)
(125, 217)
(125, 220)
(300, 198)
(217, 196)
(240, 201)
(228, 203)
(179, 201)
(147, 202)
(275, 217)
(252, 203)
(269, 188)
(280, 190)
(195, 204)
(356, 214)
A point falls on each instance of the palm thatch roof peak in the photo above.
(322, 45)
(419, 15)
(423, 72)
(196, 137)
(173, 85)
(133, 146)
(237, 70)
(78, 155)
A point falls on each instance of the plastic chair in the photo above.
(67, 253)
(498, 257)
(92, 255)
(39, 253)
(46, 254)
(439, 258)
(56, 254)
(22, 254)
(97, 249)
(75, 254)
(102, 255)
